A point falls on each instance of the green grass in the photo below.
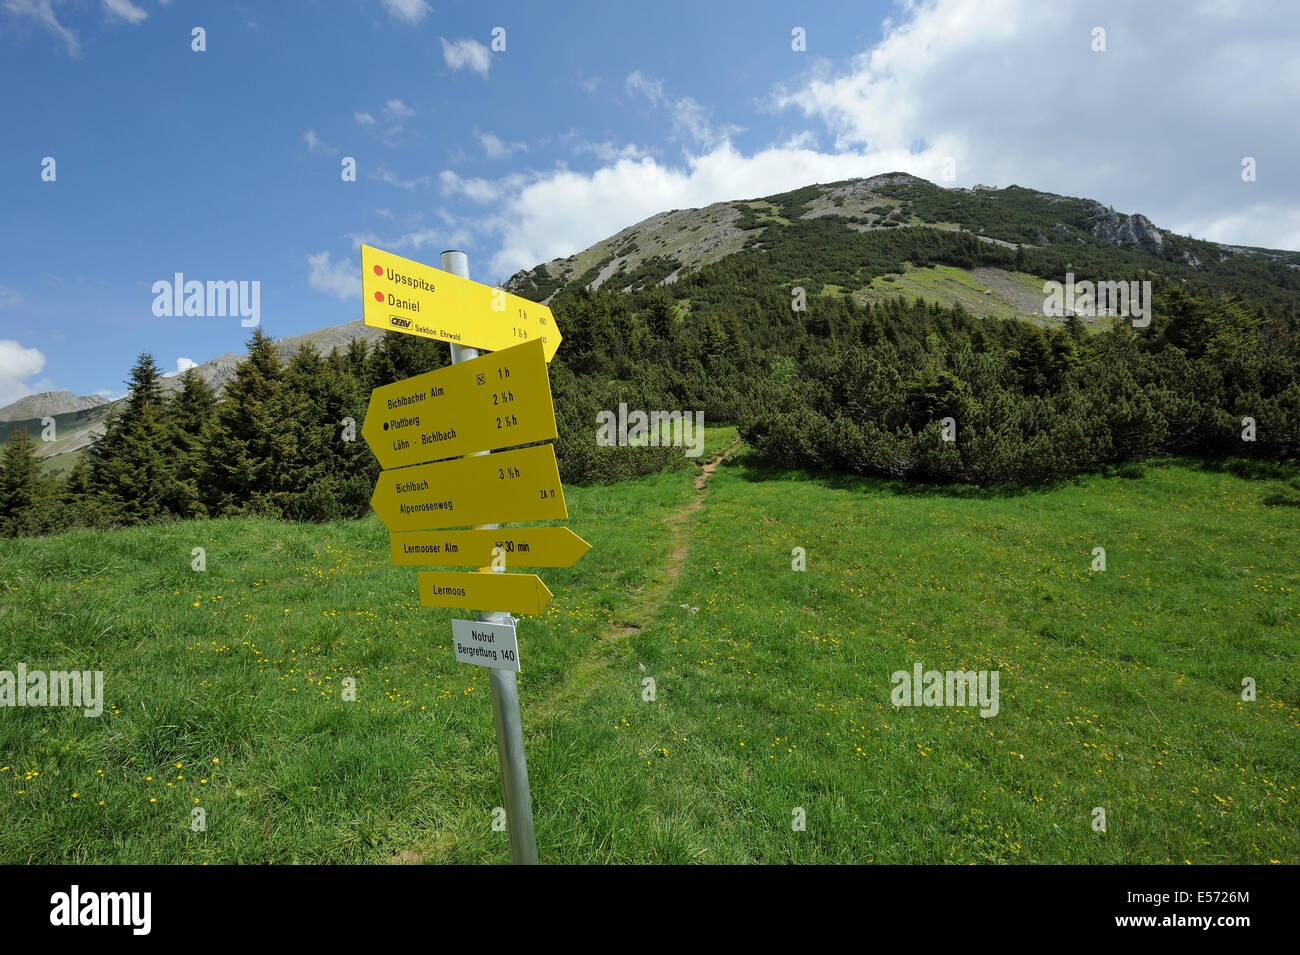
(766, 212)
(945, 284)
(1011, 294)
(1119, 689)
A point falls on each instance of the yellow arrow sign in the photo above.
(406, 296)
(513, 593)
(520, 546)
(505, 488)
(494, 401)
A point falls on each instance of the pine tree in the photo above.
(1074, 326)
(333, 469)
(660, 318)
(398, 356)
(250, 438)
(713, 343)
(353, 466)
(380, 369)
(190, 409)
(303, 401)
(189, 412)
(75, 497)
(356, 358)
(133, 467)
(19, 483)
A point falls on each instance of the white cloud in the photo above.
(384, 174)
(639, 84)
(42, 11)
(467, 53)
(394, 112)
(412, 11)
(1009, 89)
(315, 143)
(480, 190)
(608, 152)
(123, 10)
(9, 297)
(1157, 124)
(398, 111)
(495, 148)
(182, 365)
(688, 116)
(562, 212)
(415, 241)
(1282, 225)
(17, 364)
(693, 118)
(342, 280)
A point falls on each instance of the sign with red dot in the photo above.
(401, 295)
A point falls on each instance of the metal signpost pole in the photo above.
(505, 691)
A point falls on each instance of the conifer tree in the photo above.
(303, 401)
(356, 358)
(333, 469)
(75, 499)
(397, 356)
(189, 412)
(19, 483)
(132, 470)
(250, 439)
(352, 466)
(659, 317)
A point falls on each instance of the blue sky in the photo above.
(225, 164)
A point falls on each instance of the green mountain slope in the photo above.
(842, 236)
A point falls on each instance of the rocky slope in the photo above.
(662, 248)
(47, 403)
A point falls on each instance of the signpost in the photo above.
(422, 429)
(516, 593)
(519, 546)
(495, 401)
(519, 485)
(486, 644)
(406, 296)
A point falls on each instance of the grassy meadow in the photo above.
(1119, 689)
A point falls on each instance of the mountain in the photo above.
(78, 420)
(986, 249)
(667, 247)
(48, 403)
(218, 371)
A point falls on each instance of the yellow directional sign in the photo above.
(513, 593)
(406, 296)
(504, 488)
(520, 547)
(495, 401)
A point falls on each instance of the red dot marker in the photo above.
(379, 270)
(379, 296)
